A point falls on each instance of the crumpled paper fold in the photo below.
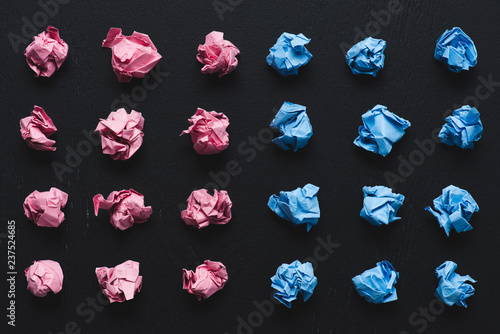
(120, 283)
(380, 130)
(209, 278)
(208, 131)
(456, 50)
(132, 56)
(294, 126)
(462, 128)
(46, 53)
(367, 56)
(44, 208)
(217, 54)
(125, 207)
(455, 207)
(289, 53)
(205, 209)
(380, 205)
(121, 133)
(43, 277)
(376, 285)
(452, 288)
(36, 128)
(299, 206)
(292, 279)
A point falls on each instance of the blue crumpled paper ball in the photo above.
(456, 49)
(289, 53)
(299, 206)
(455, 207)
(380, 130)
(376, 285)
(367, 56)
(462, 128)
(380, 205)
(452, 288)
(294, 125)
(290, 279)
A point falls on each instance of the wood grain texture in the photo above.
(166, 168)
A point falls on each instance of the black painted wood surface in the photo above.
(166, 168)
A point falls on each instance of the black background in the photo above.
(166, 169)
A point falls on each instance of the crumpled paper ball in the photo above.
(456, 50)
(46, 53)
(289, 53)
(208, 131)
(36, 128)
(204, 209)
(380, 130)
(44, 208)
(290, 279)
(43, 277)
(125, 207)
(209, 278)
(133, 56)
(120, 283)
(217, 54)
(380, 205)
(367, 56)
(455, 207)
(121, 133)
(462, 128)
(299, 206)
(376, 285)
(294, 126)
(452, 288)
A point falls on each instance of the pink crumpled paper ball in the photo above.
(36, 128)
(46, 53)
(209, 278)
(217, 54)
(121, 133)
(125, 208)
(120, 283)
(44, 276)
(44, 208)
(208, 131)
(204, 209)
(133, 56)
